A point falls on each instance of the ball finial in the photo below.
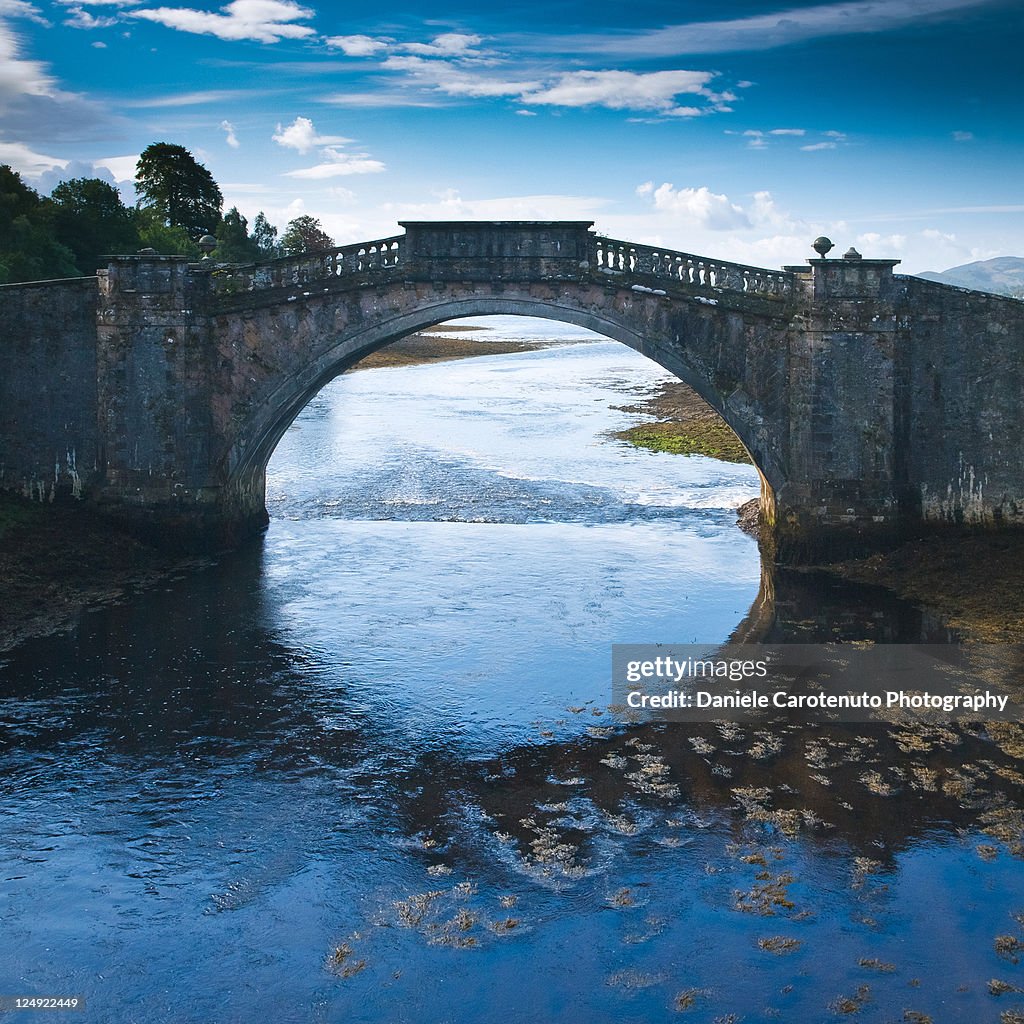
(822, 245)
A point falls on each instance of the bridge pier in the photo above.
(840, 495)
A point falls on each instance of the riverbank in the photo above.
(974, 581)
(683, 424)
(57, 561)
(443, 344)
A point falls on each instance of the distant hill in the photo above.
(1004, 275)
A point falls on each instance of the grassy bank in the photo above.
(449, 342)
(683, 424)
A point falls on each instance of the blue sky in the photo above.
(738, 130)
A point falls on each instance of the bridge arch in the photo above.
(259, 434)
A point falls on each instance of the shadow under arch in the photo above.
(260, 433)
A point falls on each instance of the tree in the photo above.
(264, 235)
(304, 234)
(29, 251)
(234, 245)
(167, 240)
(89, 218)
(182, 191)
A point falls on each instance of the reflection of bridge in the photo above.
(869, 402)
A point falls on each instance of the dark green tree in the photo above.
(264, 234)
(181, 190)
(89, 218)
(166, 239)
(305, 234)
(29, 251)
(234, 245)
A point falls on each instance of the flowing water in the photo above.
(364, 769)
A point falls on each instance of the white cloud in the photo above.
(358, 46)
(816, 146)
(762, 31)
(788, 131)
(22, 9)
(450, 205)
(27, 161)
(262, 21)
(527, 113)
(700, 206)
(454, 81)
(230, 137)
(620, 90)
(450, 44)
(49, 179)
(338, 164)
(876, 246)
(98, 45)
(19, 77)
(300, 135)
(79, 17)
(654, 91)
(121, 167)
(962, 136)
(189, 99)
(377, 99)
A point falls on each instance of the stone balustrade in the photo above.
(309, 268)
(615, 257)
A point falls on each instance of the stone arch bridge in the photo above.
(871, 404)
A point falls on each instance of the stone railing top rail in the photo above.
(610, 256)
(619, 257)
(307, 268)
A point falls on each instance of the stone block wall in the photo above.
(48, 443)
(960, 407)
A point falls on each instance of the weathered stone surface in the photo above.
(870, 403)
(48, 438)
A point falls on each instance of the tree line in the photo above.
(69, 232)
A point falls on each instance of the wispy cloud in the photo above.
(262, 21)
(378, 99)
(189, 99)
(26, 160)
(962, 136)
(22, 9)
(18, 76)
(338, 163)
(229, 134)
(759, 31)
(302, 136)
(656, 92)
(450, 205)
(455, 81)
(620, 90)
(359, 46)
(79, 17)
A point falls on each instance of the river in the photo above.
(364, 770)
